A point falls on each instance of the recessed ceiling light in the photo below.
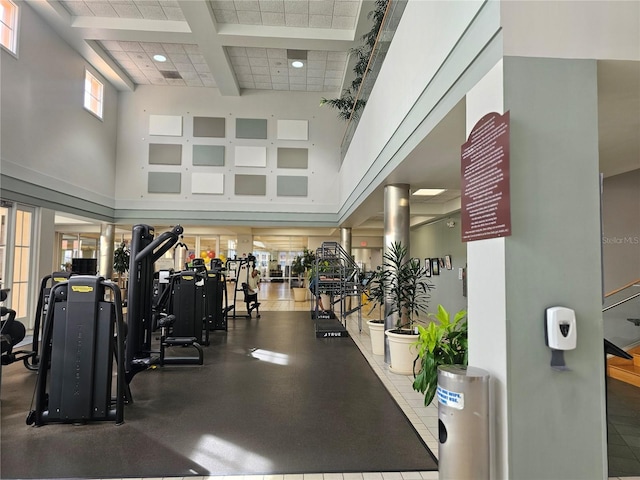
(428, 192)
(297, 64)
(160, 58)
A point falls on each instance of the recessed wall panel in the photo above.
(164, 182)
(250, 156)
(211, 183)
(169, 125)
(208, 155)
(293, 157)
(251, 128)
(165, 154)
(293, 130)
(292, 186)
(250, 184)
(209, 127)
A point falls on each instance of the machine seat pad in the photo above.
(177, 341)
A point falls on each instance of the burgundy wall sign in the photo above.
(484, 167)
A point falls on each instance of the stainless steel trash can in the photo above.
(463, 423)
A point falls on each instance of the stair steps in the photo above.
(627, 371)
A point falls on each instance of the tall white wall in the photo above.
(425, 36)
(325, 132)
(601, 29)
(48, 139)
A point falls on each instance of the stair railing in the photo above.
(634, 283)
(621, 315)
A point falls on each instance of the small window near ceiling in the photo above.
(9, 25)
(93, 92)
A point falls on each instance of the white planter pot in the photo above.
(299, 294)
(376, 332)
(401, 352)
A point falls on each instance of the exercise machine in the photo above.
(216, 302)
(142, 318)
(243, 268)
(12, 332)
(337, 275)
(82, 338)
(180, 295)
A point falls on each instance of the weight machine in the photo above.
(243, 268)
(216, 303)
(31, 357)
(142, 319)
(82, 337)
(12, 332)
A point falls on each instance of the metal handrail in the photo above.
(621, 302)
(634, 283)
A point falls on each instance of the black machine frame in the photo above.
(142, 318)
(83, 336)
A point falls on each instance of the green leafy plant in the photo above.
(308, 259)
(347, 105)
(402, 286)
(375, 292)
(121, 257)
(297, 267)
(442, 342)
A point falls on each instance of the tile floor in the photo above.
(278, 296)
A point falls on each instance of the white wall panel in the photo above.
(168, 125)
(293, 130)
(250, 156)
(211, 183)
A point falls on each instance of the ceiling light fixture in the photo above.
(297, 64)
(160, 58)
(428, 192)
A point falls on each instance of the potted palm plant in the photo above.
(375, 296)
(407, 294)
(299, 290)
(442, 342)
(121, 257)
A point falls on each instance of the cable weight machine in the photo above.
(83, 336)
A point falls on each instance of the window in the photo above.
(93, 91)
(9, 25)
(21, 263)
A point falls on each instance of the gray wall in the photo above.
(621, 229)
(621, 254)
(52, 147)
(553, 258)
(435, 241)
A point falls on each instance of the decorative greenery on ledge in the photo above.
(348, 104)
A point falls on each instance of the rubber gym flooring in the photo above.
(271, 398)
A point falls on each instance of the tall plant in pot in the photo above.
(375, 296)
(297, 270)
(407, 294)
(121, 257)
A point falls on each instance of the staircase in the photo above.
(627, 371)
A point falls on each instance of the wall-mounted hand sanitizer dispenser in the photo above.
(560, 334)
(560, 328)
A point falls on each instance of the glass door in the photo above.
(16, 241)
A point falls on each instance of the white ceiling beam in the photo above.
(205, 31)
(111, 23)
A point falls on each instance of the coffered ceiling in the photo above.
(229, 45)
